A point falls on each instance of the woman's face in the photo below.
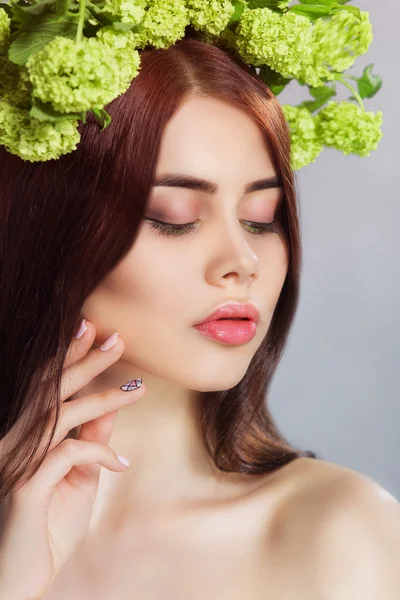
(168, 283)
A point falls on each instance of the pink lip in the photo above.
(218, 327)
(228, 332)
(235, 310)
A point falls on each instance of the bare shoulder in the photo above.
(340, 531)
(320, 481)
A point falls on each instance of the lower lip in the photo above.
(229, 332)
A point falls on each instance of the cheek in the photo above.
(154, 279)
(273, 267)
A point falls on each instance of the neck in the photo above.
(160, 435)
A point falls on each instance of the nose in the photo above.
(230, 255)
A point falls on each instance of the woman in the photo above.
(186, 203)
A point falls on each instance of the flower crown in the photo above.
(62, 58)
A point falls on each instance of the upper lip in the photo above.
(240, 310)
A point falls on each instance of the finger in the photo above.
(80, 373)
(88, 408)
(80, 347)
(99, 431)
(58, 463)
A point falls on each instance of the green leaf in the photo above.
(321, 94)
(271, 4)
(277, 89)
(271, 77)
(353, 9)
(45, 112)
(311, 105)
(102, 117)
(239, 6)
(275, 81)
(324, 92)
(36, 36)
(24, 14)
(62, 7)
(120, 26)
(323, 1)
(312, 11)
(368, 85)
(105, 18)
(322, 8)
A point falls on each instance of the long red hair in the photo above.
(66, 223)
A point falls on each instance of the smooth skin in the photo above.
(172, 526)
(166, 284)
(47, 518)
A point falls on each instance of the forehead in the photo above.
(214, 140)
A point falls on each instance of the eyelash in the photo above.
(171, 229)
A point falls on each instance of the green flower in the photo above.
(211, 16)
(282, 41)
(336, 44)
(164, 23)
(129, 11)
(14, 84)
(121, 43)
(306, 145)
(348, 128)
(4, 27)
(283, 4)
(78, 77)
(35, 140)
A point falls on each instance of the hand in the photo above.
(48, 516)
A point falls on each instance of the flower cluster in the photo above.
(336, 43)
(48, 73)
(211, 17)
(78, 77)
(14, 84)
(283, 41)
(341, 125)
(306, 144)
(122, 46)
(348, 128)
(4, 27)
(34, 140)
(128, 11)
(164, 23)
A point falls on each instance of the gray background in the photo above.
(336, 391)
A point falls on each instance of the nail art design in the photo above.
(134, 384)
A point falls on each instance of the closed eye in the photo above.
(175, 229)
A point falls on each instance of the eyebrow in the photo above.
(202, 185)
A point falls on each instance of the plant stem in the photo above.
(351, 88)
(82, 6)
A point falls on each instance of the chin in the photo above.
(218, 383)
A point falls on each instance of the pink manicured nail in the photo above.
(110, 342)
(124, 461)
(81, 330)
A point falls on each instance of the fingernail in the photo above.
(81, 330)
(110, 342)
(124, 461)
(134, 384)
